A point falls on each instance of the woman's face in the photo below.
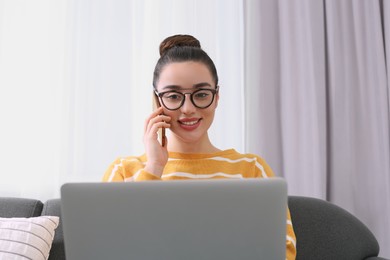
(188, 123)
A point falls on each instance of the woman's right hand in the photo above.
(157, 155)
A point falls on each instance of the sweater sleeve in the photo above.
(114, 172)
(291, 249)
(291, 252)
(126, 169)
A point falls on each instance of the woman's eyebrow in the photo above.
(202, 84)
(178, 87)
(172, 87)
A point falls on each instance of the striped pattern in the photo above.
(202, 166)
(27, 238)
(201, 176)
(224, 164)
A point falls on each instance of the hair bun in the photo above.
(178, 40)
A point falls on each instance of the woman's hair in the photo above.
(182, 48)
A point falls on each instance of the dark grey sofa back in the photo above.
(324, 230)
(20, 208)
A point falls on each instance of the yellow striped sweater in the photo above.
(223, 164)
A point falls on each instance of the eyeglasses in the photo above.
(201, 98)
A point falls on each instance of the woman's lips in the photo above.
(189, 123)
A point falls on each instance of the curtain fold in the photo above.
(302, 92)
(359, 163)
(261, 82)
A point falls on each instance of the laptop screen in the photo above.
(206, 219)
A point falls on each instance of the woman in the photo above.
(186, 84)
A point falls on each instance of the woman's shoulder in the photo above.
(124, 167)
(260, 163)
(235, 154)
(130, 159)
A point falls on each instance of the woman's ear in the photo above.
(216, 99)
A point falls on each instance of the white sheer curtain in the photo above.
(31, 71)
(303, 83)
(76, 82)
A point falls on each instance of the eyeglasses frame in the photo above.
(160, 94)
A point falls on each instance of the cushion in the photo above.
(27, 238)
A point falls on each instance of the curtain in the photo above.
(304, 84)
(76, 82)
(31, 51)
(318, 83)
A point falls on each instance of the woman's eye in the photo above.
(201, 95)
(173, 97)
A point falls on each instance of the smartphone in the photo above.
(161, 131)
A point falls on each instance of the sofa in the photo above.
(323, 230)
(28, 208)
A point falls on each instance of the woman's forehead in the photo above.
(185, 75)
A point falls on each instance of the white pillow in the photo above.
(27, 238)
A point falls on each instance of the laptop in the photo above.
(175, 220)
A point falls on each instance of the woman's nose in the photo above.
(188, 107)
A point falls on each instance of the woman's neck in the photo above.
(201, 146)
